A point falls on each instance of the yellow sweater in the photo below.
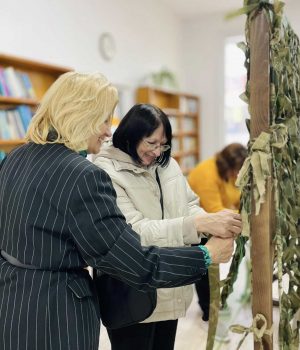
(215, 194)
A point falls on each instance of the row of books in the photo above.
(188, 124)
(15, 83)
(189, 143)
(188, 105)
(14, 122)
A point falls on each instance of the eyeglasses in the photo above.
(154, 146)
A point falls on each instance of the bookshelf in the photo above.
(41, 76)
(183, 112)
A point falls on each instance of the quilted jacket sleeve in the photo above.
(107, 243)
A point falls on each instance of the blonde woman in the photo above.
(58, 214)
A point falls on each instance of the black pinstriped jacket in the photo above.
(58, 214)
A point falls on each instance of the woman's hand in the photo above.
(220, 249)
(225, 223)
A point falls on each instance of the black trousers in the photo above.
(203, 293)
(202, 289)
(144, 336)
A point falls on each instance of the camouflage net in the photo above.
(281, 144)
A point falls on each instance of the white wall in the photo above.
(148, 37)
(66, 32)
(203, 46)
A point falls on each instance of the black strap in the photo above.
(161, 194)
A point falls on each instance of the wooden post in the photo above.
(262, 224)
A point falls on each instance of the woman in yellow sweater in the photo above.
(213, 180)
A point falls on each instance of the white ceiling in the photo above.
(191, 8)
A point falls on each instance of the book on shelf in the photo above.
(4, 90)
(174, 123)
(18, 123)
(188, 105)
(4, 128)
(30, 93)
(14, 122)
(11, 122)
(182, 104)
(25, 115)
(192, 105)
(189, 124)
(189, 162)
(15, 83)
(189, 143)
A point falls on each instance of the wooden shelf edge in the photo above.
(7, 145)
(185, 133)
(180, 154)
(18, 101)
(12, 141)
(173, 112)
(170, 91)
(20, 62)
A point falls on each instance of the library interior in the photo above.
(149, 175)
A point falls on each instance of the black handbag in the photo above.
(122, 305)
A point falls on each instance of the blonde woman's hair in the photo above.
(73, 109)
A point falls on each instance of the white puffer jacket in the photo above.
(138, 197)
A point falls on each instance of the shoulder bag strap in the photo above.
(161, 194)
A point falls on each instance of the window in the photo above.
(235, 110)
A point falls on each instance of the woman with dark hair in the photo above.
(134, 127)
(213, 180)
(156, 200)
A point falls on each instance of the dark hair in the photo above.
(139, 122)
(230, 158)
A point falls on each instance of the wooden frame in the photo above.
(262, 224)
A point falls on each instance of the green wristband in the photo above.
(206, 254)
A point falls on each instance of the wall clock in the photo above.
(107, 46)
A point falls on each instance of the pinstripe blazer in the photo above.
(58, 214)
